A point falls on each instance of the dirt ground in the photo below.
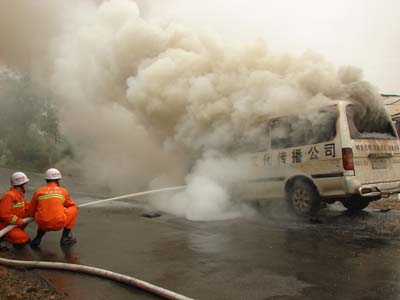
(388, 203)
(20, 284)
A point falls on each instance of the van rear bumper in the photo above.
(371, 191)
(382, 189)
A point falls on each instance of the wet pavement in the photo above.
(269, 256)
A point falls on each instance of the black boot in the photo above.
(67, 238)
(36, 241)
(20, 246)
(3, 246)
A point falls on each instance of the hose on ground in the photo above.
(98, 272)
(167, 294)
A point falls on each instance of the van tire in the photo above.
(302, 197)
(356, 203)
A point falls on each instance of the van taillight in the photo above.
(347, 155)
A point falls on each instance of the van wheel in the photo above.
(303, 198)
(355, 203)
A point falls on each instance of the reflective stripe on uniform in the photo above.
(14, 219)
(47, 196)
(19, 204)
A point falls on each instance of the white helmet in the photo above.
(52, 174)
(18, 178)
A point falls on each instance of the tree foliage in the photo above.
(29, 127)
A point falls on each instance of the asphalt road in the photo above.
(269, 256)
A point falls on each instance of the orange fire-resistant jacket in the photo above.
(49, 205)
(13, 208)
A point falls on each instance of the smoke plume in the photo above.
(143, 104)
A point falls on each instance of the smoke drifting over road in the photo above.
(140, 101)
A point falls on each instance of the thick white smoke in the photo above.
(141, 102)
(210, 189)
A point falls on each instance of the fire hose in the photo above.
(166, 294)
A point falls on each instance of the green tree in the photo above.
(29, 128)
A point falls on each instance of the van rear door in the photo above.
(375, 145)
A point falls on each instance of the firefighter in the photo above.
(13, 208)
(53, 210)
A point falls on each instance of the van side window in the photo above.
(280, 133)
(255, 140)
(364, 124)
(297, 130)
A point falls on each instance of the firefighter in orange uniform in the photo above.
(13, 208)
(53, 210)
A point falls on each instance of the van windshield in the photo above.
(364, 124)
(313, 127)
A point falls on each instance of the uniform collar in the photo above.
(52, 184)
(15, 190)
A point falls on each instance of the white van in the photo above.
(340, 152)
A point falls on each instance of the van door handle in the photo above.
(267, 158)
